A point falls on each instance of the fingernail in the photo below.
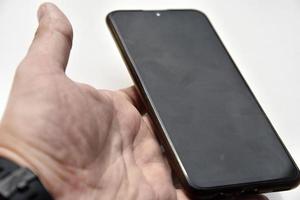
(41, 12)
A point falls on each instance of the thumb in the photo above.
(50, 49)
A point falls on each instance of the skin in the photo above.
(83, 143)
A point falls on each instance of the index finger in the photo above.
(132, 94)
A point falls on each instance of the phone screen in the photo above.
(216, 126)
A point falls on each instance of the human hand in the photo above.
(83, 143)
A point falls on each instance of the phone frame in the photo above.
(160, 132)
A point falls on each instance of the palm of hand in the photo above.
(106, 148)
(83, 143)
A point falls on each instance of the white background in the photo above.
(263, 37)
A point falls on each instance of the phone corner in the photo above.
(198, 12)
(294, 175)
(296, 179)
(195, 187)
(109, 16)
(288, 182)
(194, 190)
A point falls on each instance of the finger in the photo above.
(146, 148)
(181, 195)
(149, 158)
(149, 123)
(132, 94)
(50, 49)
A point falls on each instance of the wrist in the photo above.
(25, 155)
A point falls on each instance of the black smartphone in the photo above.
(216, 136)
